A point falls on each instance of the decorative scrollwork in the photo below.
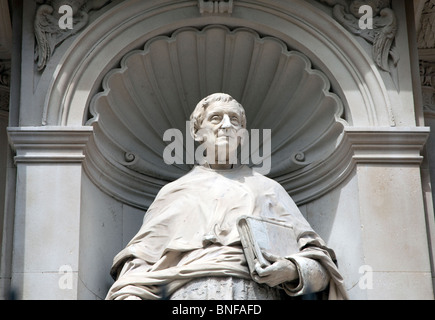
(427, 78)
(49, 35)
(426, 34)
(129, 157)
(381, 35)
(299, 156)
(5, 74)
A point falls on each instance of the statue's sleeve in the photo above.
(316, 262)
(313, 277)
(124, 290)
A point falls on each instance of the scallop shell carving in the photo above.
(157, 88)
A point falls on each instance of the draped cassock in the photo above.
(189, 232)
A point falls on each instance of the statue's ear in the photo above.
(197, 136)
(194, 133)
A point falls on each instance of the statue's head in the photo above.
(216, 121)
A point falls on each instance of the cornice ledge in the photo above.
(387, 145)
(358, 145)
(49, 144)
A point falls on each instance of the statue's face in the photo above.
(221, 122)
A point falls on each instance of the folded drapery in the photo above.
(190, 232)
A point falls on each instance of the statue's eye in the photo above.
(235, 119)
(215, 118)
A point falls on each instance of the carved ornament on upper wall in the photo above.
(5, 74)
(426, 48)
(48, 32)
(426, 33)
(427, 77)
(215, 6)
(382, 33)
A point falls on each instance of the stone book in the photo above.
(260, 235)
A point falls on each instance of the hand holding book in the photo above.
(281, 270)
(266, 245)
(274, 258)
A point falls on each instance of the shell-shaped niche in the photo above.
(157, 88)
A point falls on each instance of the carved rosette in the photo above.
(157, 88)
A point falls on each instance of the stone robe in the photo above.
(189, 232)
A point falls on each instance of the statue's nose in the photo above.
(226, 123)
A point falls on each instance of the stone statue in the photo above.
(189, 245)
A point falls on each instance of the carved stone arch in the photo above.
(303, 27)
(316, 46)
(157, 88)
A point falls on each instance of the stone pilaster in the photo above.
(47, 211)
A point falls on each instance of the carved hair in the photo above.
(197, 115)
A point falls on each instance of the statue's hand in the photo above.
(281, 270)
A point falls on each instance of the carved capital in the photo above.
(49, 144)
(387, 145)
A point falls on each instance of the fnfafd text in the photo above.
(238, 309)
